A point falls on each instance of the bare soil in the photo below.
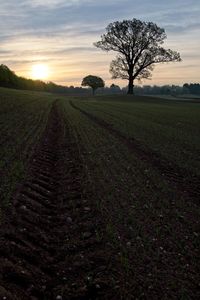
(53, 242)
(163, 256)
(49, 247)
(185, 184)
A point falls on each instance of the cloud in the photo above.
(49, 3)
(61, 32)
(181, 29)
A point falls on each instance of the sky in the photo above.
(61, 33)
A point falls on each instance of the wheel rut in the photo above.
(169, 171)
(48, 245)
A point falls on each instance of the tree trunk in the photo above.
(130, 83)
(93, 91)
(130, 86)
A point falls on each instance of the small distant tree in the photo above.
(94, 82)
(139, 48)
(115, 88)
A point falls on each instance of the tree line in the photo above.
(10, 80)
(192, 88)
(170, 90)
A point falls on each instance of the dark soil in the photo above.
(49, 246)
(162, 244)
(53, 242)
(186, 184)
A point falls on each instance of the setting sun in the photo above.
(40, 71)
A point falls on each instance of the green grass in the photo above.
(23, 116)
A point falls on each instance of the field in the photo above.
(23, 119)
(100, 197)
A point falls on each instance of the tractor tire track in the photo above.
(186, 184)
(48, 244)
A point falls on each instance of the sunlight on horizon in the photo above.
(40, 71)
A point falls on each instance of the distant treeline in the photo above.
(193, 88)
(10, 80)
(172, 90)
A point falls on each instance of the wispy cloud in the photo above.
(61, 33)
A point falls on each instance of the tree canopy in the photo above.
(139, 48)
(94, 82)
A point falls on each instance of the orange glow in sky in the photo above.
(53, 39)
(40, 71)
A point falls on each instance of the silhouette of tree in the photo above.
(115, 88)
(7, 77)
(139, 46)
(193, 88)
(94, 82)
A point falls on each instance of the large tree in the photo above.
(139, 48)
(94, 82)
